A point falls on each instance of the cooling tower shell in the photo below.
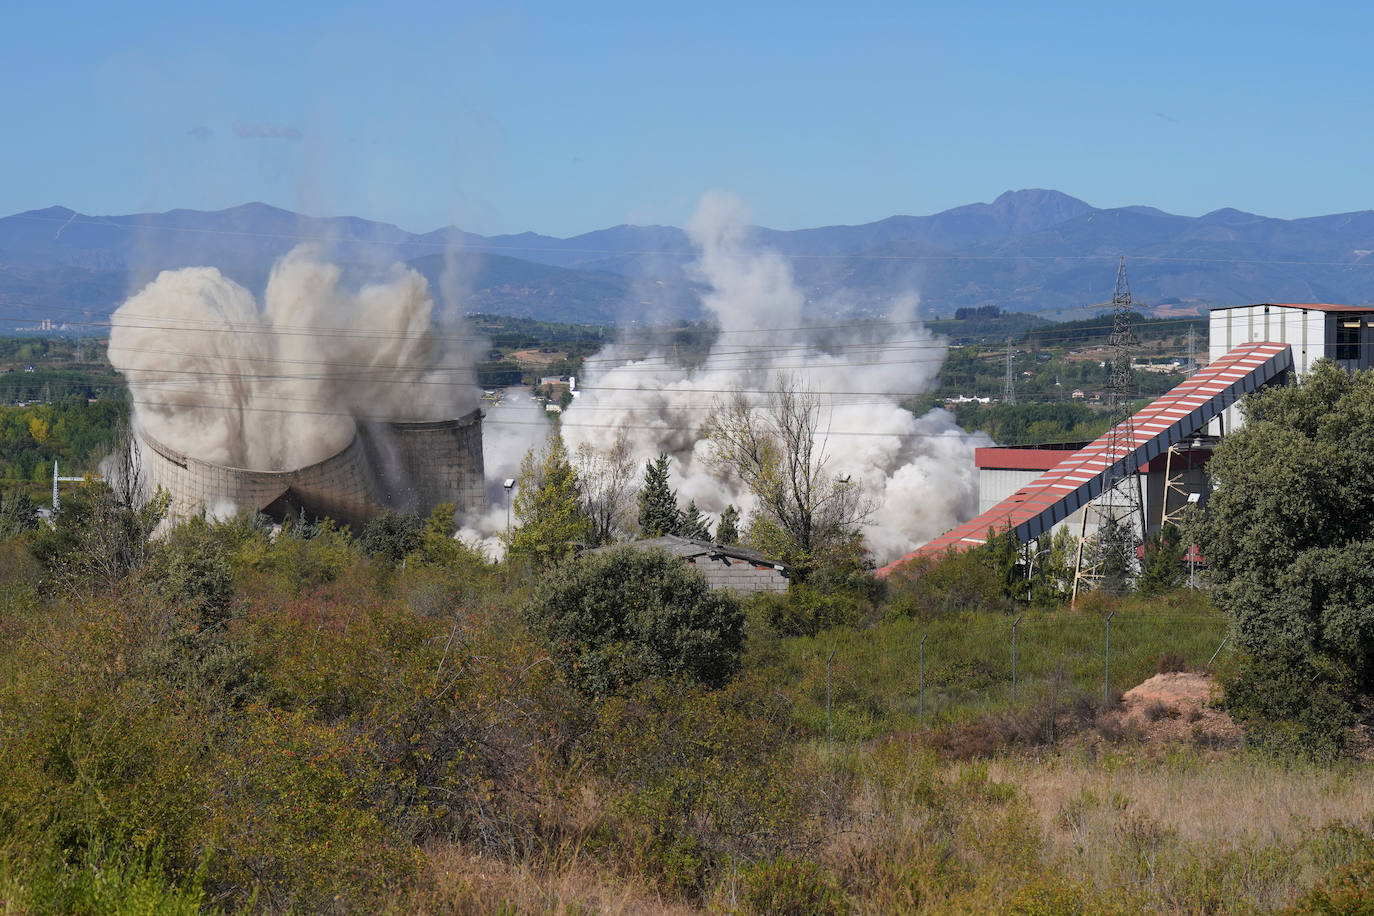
(441, 463)
(406, 466)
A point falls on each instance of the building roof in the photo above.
(1022, 458)
(689, 548)
(1082, 475)
(1309, 306)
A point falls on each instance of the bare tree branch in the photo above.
(778, 450)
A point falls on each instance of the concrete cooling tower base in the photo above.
(404, 466)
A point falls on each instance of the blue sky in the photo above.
(562, 118)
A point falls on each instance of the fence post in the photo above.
(827, 696)
(922, 719)
(1014, 624)
(1216, 653)
(1107, 662)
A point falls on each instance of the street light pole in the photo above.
(1031, 567)
(509, 485)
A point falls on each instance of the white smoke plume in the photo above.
(282, 385)
(513, 426)
(918, 471)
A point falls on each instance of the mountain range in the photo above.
(1029, 250)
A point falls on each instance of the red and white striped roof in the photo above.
(1080, 477)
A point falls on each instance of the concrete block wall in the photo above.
(740, 575)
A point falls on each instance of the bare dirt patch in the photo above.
(535, 359)
(1177, 707)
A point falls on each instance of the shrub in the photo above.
(805, 611)
(190, 568)
(786, 887)
(956, 582)
(1170, 663)
(612, 618)
(299, 558)
(1291, 706)
(391, 535)
(1160, 710)
(123, 879)
(693, 778)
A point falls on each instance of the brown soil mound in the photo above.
(1177, 707)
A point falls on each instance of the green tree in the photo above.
(18, 514)
(391, 535)
(1163, 567)
(617, 616)
(694, 524)
(1113, 555)
(1001, 554)
(727, 529)
(549, 516)
(189, 567)
(658, 512)
(1289, 533)
(98, 539)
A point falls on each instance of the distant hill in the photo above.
(1030, 250)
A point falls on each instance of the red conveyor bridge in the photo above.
(1077, 480)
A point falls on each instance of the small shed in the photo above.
(728, 566)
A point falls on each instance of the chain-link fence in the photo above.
(912, 674)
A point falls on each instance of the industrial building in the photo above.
(1313, 330)
(403, 466)
(1160, 450)
(1165, 484)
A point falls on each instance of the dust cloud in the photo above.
(283, 384)
(917, 470)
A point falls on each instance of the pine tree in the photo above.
(546, 506)
(694, 524)
(1163, 567)
(727, 529)
(658, 512)
(1114, 555)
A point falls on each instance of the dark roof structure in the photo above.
(691, 548)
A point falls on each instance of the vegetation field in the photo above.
(303, 722)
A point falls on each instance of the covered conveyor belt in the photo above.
(1080, 477)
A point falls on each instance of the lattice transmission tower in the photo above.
(1120, 506)
(1009, 380)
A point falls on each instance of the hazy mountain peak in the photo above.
(1039, 197)
(1229, 215)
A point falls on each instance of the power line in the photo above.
(185, 323)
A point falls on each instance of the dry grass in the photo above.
(1220, 799)
(1246, 832)
(1068, 832)
(455, 880)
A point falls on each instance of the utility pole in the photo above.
(1192, 355)
(1008, 381)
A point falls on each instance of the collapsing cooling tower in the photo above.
(404, 466)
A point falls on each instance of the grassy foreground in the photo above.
(337, 734)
